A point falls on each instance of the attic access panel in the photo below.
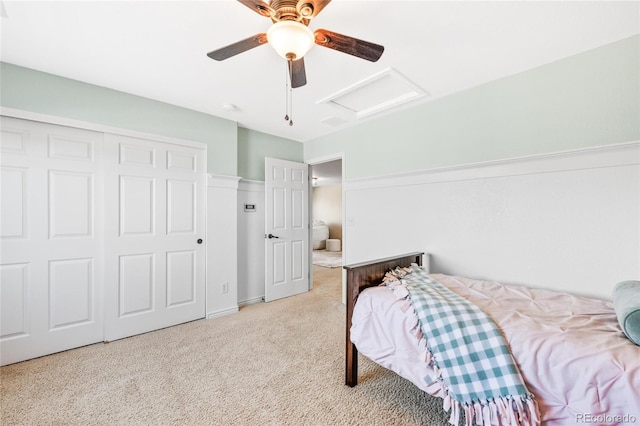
(380, 92)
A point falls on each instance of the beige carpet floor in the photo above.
(275, 363)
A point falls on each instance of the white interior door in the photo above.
(155, 227)
(286, 228)
(51, 218)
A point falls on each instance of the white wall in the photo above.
(568, 221)
(327, 207)
(250, 242)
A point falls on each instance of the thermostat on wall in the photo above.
(249, 207)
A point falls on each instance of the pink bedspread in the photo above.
(570, 349)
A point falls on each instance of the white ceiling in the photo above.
(157, 49)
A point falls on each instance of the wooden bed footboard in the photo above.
(359, 277)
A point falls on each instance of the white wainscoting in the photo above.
(222, 245)
(251, 273)
(568, 221)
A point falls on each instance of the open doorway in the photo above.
(327, 241)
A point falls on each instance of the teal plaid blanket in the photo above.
(470, 355)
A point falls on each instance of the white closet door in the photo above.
(51, 222)
(155, 215)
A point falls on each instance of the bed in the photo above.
(570, 350)
(320, 234)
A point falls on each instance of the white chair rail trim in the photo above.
(623, 154)
(222, 181)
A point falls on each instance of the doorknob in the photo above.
(271, 236)
(199, 241)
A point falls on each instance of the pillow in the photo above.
(626, 302)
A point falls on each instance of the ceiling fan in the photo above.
(291, 37)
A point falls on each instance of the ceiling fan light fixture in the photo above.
(291, 39)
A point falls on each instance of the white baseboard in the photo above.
(251, 301)
(222, 312)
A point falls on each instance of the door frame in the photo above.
(312, 162)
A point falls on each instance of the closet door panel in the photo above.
(13, 189)
(70, 204)
(155, 215)
(136, 284)
(50, 250)
(72, 290)
(14, 309)
(101, 237)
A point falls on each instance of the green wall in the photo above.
(35, 91)
(586, 100)
(254, 146)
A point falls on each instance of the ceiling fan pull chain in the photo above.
(286, 91)
(291, 105)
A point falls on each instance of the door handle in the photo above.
(199, 241)
(270, 236)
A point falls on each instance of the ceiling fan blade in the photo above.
(238, 47)
(297, 73)
(311, 8)
(258, 6)
(352, 46)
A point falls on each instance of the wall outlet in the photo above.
(224, 288)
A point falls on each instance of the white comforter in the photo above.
(570, 349)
